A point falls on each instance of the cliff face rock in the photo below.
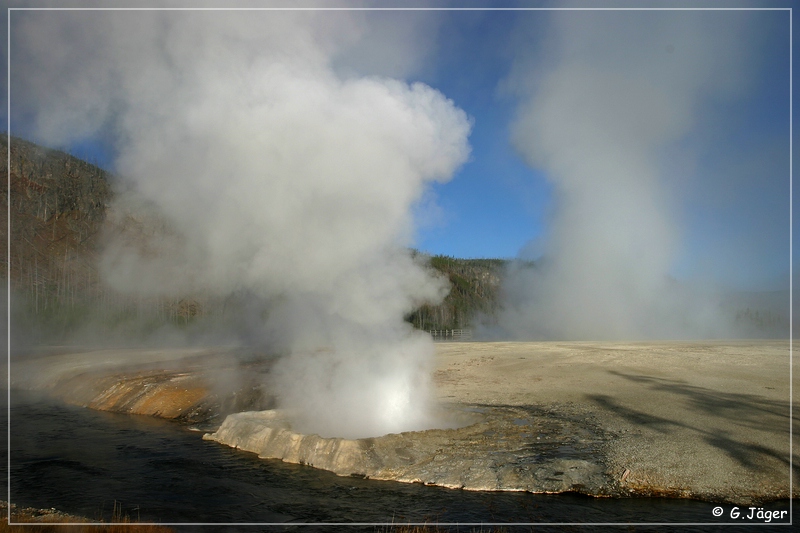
(491, 453)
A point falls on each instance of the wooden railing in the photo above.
(451, 334)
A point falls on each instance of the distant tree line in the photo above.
(59, 206)
(475, 285)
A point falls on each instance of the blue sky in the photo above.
(495, 199)
(496, 204)
(726, 175)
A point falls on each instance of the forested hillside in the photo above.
(58, 205)
(474, 292)
(59, 216)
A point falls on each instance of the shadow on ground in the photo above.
(748, 418)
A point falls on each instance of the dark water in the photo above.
(82, 461)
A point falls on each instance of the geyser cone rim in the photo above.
(444, 417)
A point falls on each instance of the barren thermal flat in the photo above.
(706, 420)
(701, 419)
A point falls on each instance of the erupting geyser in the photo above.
(353, 392)
(275, 176)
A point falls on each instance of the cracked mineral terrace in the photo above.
(705, 420)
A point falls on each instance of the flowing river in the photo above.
(82, 461)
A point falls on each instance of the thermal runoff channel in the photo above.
(274, 175)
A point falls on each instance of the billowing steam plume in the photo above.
(277, 174)
(610, 93)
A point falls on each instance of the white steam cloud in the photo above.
(609, 95)
(279, 170)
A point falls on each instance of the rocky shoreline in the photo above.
(30, 515)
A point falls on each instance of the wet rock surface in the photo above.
(194, 386)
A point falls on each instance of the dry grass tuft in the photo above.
(52, 521)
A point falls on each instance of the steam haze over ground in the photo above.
(601, 113)
(294, 158)
(276, 177)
